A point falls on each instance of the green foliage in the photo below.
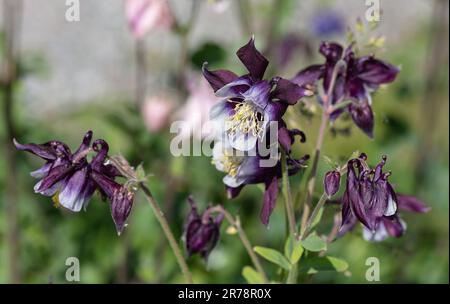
(251, 275)
(313, 265)
(273, 256)
(314, 243)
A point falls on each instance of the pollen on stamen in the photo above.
(245, 120)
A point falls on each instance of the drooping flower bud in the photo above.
(201, 231)
(331, 182)
(121, 204)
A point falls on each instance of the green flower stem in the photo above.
(235, 222)
(292, 275)
(168, 232)
(313, 216)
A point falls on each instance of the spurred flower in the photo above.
(71, 180)
(359, 77)
(368, 195)
(249, 102)
(202, 231)
(394, 225)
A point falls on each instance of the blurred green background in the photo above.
(412, 118)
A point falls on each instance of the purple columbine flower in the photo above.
(331, 182)
(355, 82)
(249, 102)
(368, 195)
(71, 180)
(202, 231)
(245, 168)
(394, 225)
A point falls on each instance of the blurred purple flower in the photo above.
(289, 46)
(202, 231)
(360, 77)
(250, 103)
(326, 23)
(146, 15)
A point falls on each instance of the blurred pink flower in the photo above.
(155, 112)
(195, 112)
(146, 15)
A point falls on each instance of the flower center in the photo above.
(246, 119)
(229, 162)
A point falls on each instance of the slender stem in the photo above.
(168, 232)
(141, 72)
(245, 241)
(12, 15)
(326, 111)
(288, 196)
(245, 17)
(313, 216)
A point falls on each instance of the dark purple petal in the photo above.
(289, 92)
(101, 147)
(275, 110)
(331, 182)
(309, 75)
(121, 205)
(331, 51)
(270, 199)
(285, 139)
(353, 195)
(348, 220)
(55, 175)
(376, 71)
(42, 171)
(106, 184)
(394, 226)
(45, 151)
(411, 203)
(84, 148)
(233, 192)
(253, 60)
(218, 78)
(362, 115)
(258, 93)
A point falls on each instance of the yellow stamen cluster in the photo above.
(229, 162)
(246, 120)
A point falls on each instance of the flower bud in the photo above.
(331, 182)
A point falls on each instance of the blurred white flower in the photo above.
(146, 15)
(155, 112)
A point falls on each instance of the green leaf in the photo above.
(293, 250)
(314, 243)
(273, 256)
(315, 264)
(252, 276)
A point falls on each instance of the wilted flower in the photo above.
(244, 168)
(146, 15)
(202, 231)
(155, 112)
(71, 180)
(331, 182)
(250, 103)
(360, 77)
(326, 23)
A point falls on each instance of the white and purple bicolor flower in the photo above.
(71, 180)
(249, 102)
(371, 199)
(355, 82)
(249, 167)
